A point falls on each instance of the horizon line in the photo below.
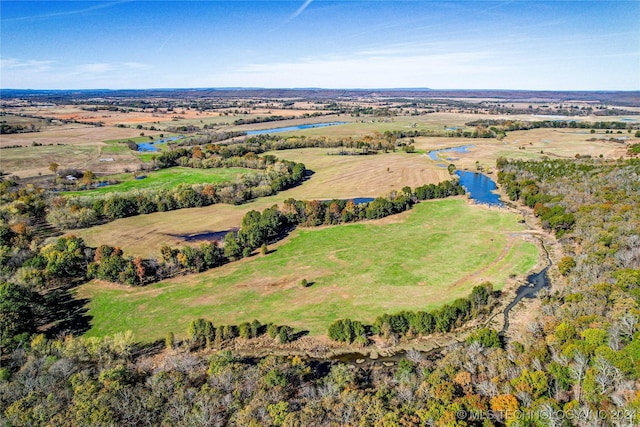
(248, 88)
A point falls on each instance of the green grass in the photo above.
(145, 156)
(436, 253)
(366, 125)
(165, 178)
(115, 149)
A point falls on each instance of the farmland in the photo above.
(276, 261)
(345, 177)
(195, 231)
(422, 259)
(339, 177)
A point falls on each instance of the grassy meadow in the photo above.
(416, 260)
(165, 179)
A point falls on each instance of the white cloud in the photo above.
(39, 74)
(30, 65)
(66, 13)
(373, 69)
(95, 68)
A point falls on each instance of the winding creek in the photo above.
(535, 282)
(460, 149)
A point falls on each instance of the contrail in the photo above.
(299, 11)
(67, 13)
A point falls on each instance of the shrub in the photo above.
(565, 265)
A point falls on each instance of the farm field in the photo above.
(340, 177)
(526, 145)
(416, 260)
(165, 179)
(63, 140)
(71, 146)
(284, 213)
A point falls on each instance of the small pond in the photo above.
(292, 128)
(480, 187)
(152, 145)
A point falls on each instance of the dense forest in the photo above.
(577, 362)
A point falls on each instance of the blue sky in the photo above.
(539, 45)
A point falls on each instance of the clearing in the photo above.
(413, 261)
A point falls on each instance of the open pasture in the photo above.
(71, 134)
(343, 177)
(417, 260)
(28, 124)
(165, 179)
(340, 177)
(527, 145)
(83, 113)
(358, 127)
(161, 118)
(32, 161)
(70, 145)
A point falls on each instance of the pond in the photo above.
(480, 187)
(461, 149)
(151, 146)
(291, 128)
(356, 200)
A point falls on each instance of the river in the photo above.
(292, 128)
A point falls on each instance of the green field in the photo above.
(417, 260)
(165, 179)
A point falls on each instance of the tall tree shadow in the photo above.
(63, 313)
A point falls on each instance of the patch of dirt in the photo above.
(472, 275)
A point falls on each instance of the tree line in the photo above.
(514, 125)
(411, 324)
(201, 333)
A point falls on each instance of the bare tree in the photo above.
(577, 371)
